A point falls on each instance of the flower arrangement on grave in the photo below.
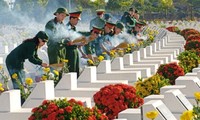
(4, 77)
(174, 29)
(25, 88)
(113, 99)
(152, 115)
(96, 61)
(185, 30)
(65, 68)
(170, 71)
(193, 44)
(190, 32)
(150, 85)
(50, 75)
(188, 60)
(193, 114)
(62, 109)
(193, 37)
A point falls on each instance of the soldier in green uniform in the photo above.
(108, 33)
(26, 50)
(74, 17)
(98, 21)
(56, 30)
(88, 49)
(138, 27)
(72, 53)
(128, 18)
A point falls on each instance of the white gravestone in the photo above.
(104, 72)
(157, 105)
(130, 114)
(176, 102)
(43, 91)
(118, 64)
(88, 78)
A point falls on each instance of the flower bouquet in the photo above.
(25, 88)
(62, 109)
(185, 30)
(152, 115)
(194, 44)
(50, 75)
(151, 85)
(4, 77)
(188, 60)
(96, 61)
(190, 32)
(193, 37)
(173, 29)
(113, 99)
(193, 114)
(171, 71)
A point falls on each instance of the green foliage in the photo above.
(122, 5)
(150, 85)
(188, 60)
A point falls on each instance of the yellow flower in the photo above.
(1, 89)
(44, 78)
(112, 54)
(197, 95)
(29, 81)
(187, 115)
(1, 84)
(104, 53)
(65, 60)
(14, 76)
(90, 62)
(46, 70)
(1, 67)
(152, 114)
(100, 58)
(56, 72)
(132, 44)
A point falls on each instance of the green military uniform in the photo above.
(72, 54)
(56, 50)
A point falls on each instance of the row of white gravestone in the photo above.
(68, 86)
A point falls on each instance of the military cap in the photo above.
(76, 14)
(42, 35)
(100, 11)
(110, 24)
(120, 25)
(107, 16)
(62, 10)
(97, 29)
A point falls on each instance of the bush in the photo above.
(113, 99)
(193, 37)
(188, 60)
(194, 44)
(151, 85)
(190, 32)
(171, 71)
(62, 109)
(174, 29)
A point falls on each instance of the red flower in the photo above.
(170, 71)
(69, 109)
(31, 118)
(112, 99)
(34, 109)
(61, 111)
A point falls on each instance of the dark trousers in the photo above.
(73, 56)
